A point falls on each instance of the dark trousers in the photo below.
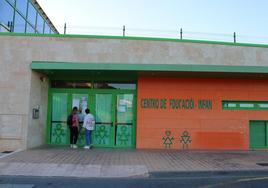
(73, 135)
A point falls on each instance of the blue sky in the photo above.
(245, 17)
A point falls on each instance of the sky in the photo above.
(197, 18)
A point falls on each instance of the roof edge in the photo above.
(136, 38)
(49, 65)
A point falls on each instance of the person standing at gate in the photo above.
(73, 125)
(88, 124)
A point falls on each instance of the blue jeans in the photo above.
(88, 135)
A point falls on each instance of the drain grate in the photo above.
(7, 151)
(262, 164)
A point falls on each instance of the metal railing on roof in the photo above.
(159, 33)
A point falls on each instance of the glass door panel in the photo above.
(124, 120)
(59, 131)
(81, 102)
(103, 133)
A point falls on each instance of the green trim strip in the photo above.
(40, 65)
(136, 38)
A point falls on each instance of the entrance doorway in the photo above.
(258, 134)
(114, 112)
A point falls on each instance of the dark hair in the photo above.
(75, 108)
(87, 111)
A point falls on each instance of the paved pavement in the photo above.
(51, 161)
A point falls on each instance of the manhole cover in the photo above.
(7, 151)
(262, 164)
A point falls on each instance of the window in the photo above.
(40, 24)
(12, 2)
(88, 84)
(6, 14)
(107, 85)
(21, 5)
(52, 32)
(30, 29)
(245, 105)
(47, 29)
(31, 17)
(70, 84)
(19, 25)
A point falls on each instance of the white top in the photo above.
(89, 122)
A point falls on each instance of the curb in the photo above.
(180, 174)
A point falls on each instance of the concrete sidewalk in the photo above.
(51, 161)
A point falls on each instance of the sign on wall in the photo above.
(161, 103)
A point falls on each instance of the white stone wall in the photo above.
(14, 95)
(36, 132)
(21, 89)
(134, 51)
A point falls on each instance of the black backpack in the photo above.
(70, 121)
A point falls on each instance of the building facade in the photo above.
(144, 92)
(24, 16)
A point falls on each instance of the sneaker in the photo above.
(71, 146)
(86, 147)
(74, 146)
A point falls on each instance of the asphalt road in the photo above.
(156, 180)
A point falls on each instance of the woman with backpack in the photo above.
(73, 122)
